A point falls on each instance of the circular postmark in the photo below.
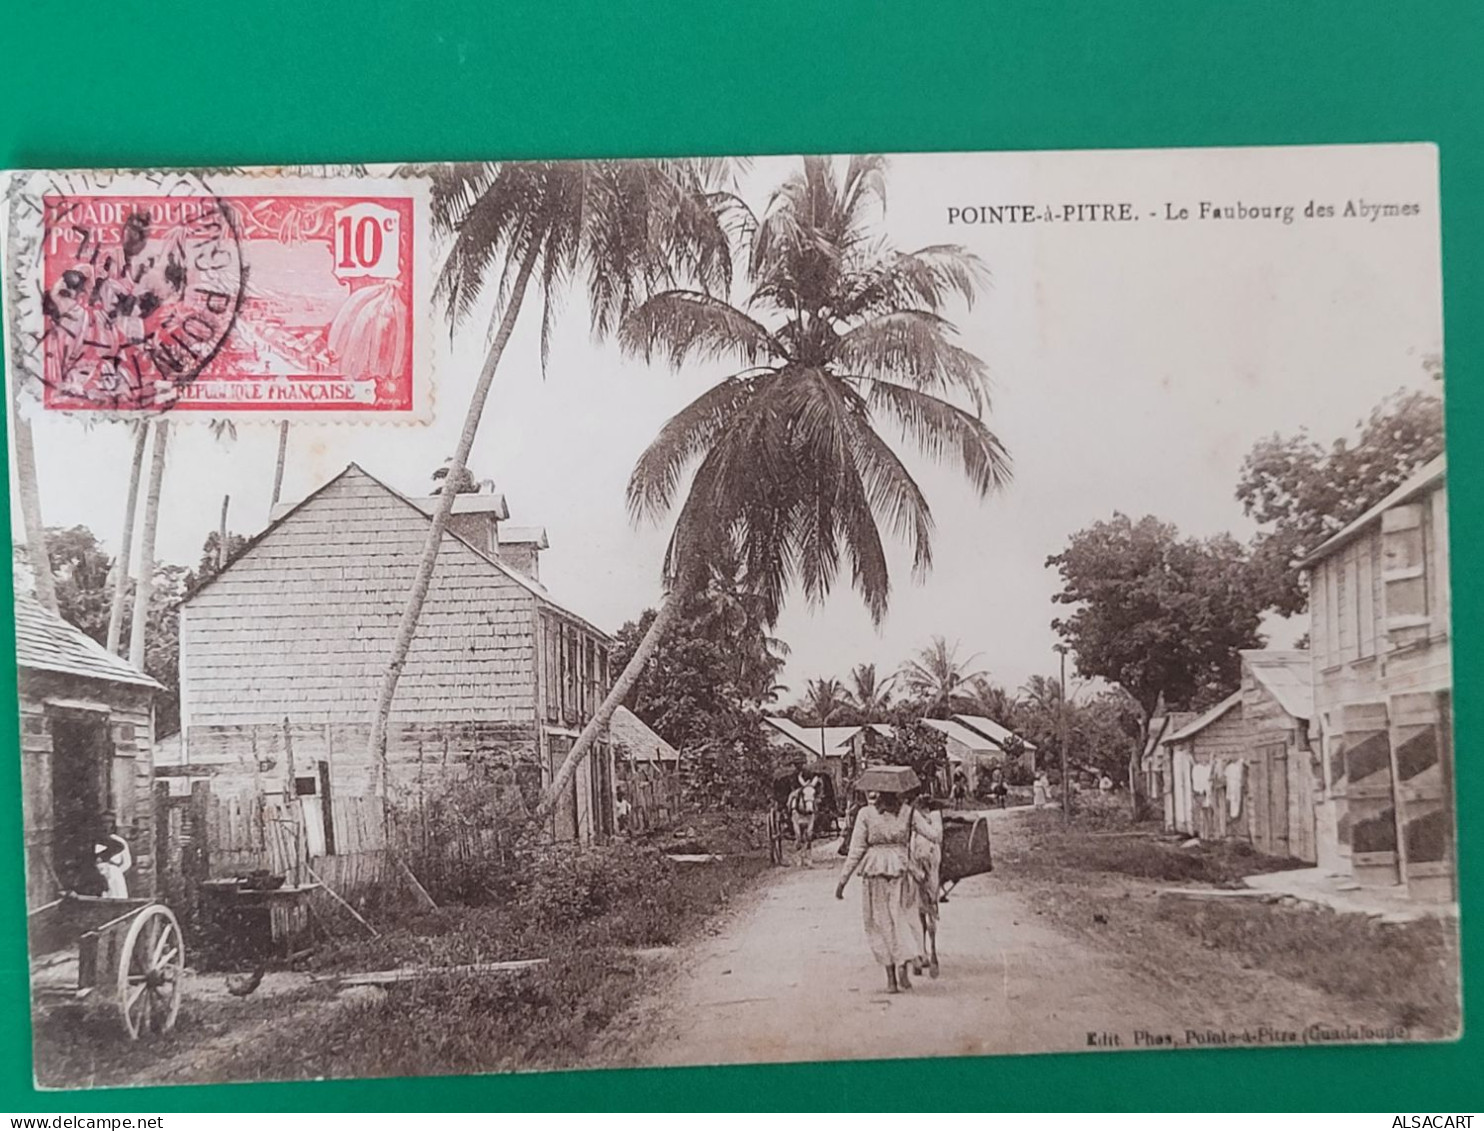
(139, 294)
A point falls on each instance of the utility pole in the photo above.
(1061, 734)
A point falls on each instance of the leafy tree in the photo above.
(1301, 492)
(82, 580)
(712, 667)
(1161, 616)
(912, 743)
(838, 332)
(937, 680)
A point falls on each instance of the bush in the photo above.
(566, 885)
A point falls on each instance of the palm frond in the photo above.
(938, 427)
(912, 347)
(685, 436)
(683, 324)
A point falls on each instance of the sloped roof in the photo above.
(1427, 476)
(1201, 722)
(960, 733)
(535, 588)
(46, 642)
(1287, 675)
(1166, 724)
(638, 740)
(835, 738)
(992, 730)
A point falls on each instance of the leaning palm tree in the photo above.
(870, 694)
(937, 678)
(622, 227)
(837, 334)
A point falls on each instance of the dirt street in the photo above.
(792, 979)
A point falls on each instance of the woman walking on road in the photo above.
(889, 890)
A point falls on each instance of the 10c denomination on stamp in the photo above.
(289, 297)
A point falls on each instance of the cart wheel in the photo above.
(151, 970)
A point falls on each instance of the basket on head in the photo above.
(888, 779)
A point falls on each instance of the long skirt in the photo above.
(889, 911)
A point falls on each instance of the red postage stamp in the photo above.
(287, 297)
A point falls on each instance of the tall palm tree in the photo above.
(622, 227)
(937, 678)
(870, 694)
(30, 494)
(144, 586)
(985, 697)
(126, 546)
(837, 332)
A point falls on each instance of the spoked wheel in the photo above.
(775, 836)
(151, 970)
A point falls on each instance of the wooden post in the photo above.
(291, 801)
(221, 538)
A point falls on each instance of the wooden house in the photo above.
(1243, 769)
(87, 737)
(281, 656)
(968, 750)
(1382, 672)
(840, 748)
(1277, 706)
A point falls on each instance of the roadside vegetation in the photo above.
(1100, 877)
(596, 915)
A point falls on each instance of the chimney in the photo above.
(520, 548)
(478, 509)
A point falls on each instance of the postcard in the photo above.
(530, 615)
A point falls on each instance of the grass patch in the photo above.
(1098, 879)
(1106, 839)
(1409, 970)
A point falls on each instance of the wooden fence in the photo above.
(206, 836)
(653, 797)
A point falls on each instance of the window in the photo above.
(551, 649)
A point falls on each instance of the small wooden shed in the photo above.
(1243, 769)
(87, 737)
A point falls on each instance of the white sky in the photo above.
(1135, 365)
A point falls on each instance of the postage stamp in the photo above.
(270, 295)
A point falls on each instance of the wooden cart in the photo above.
(124, 957)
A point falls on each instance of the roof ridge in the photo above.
(534, 588)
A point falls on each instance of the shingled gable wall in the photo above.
(298, 628)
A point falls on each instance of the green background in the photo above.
(241, 82)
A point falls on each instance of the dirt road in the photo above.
(791, 979)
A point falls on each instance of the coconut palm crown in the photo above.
(837, 332)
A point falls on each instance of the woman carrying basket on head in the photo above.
(890, 900)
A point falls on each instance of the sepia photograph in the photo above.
(540, 615)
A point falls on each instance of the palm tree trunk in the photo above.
(126, 549)
(412, 612)
(596, 725)
(30, 493)
(283, 451)
(145, 585)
